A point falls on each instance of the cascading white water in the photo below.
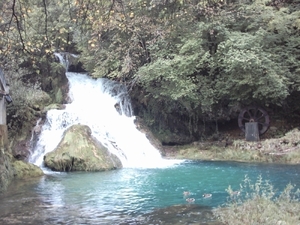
(104, 106)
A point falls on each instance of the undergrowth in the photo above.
(260, 203)
(284, 150)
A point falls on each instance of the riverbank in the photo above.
(284, 150)
(261, 206)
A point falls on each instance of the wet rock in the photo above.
(54, 106)
(22, 150)
(24, 170)
(77, 67)
(73, 62)
(79, 151)
(38, 100)
(6, 172)
(142, 127)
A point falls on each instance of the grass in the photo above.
(275, 150)
(259, 203)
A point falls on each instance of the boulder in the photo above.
(23, 170)
(79, 151)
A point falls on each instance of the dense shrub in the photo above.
(260, 203)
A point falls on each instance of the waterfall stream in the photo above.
(104, 106)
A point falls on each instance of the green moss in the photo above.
(6, 171)
(59, 96)
(24, 170)
(79, 151)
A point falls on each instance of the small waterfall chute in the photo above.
(64, 58)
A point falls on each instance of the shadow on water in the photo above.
(134, 196)
(179, 215)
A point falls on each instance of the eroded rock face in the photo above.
(6, 172)
(21, 150)
(142, 127)
(79, 151)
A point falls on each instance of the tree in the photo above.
(198, 60)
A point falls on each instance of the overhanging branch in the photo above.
(14, 15)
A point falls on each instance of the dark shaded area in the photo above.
(77, 68)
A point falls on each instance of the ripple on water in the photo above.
(134, 196)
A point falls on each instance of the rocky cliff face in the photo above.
(6, 171)
(169, 123)
(79, 151)
(11, 168)
(29, 105)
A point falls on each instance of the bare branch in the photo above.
(14, 15)
(46, 20)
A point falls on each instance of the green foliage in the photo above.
(197, 59)
(248, 72)
(258, 203)
(213, 65)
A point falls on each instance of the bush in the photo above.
(260, 204)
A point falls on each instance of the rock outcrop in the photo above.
(79, 151)
(33, 95)
(6, 171)
(24, 170)
(11, 169)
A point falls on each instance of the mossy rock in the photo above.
(79, 151)
(53, 106)
(37, 99)
(23, 170)
(59, 96)
(6, 171)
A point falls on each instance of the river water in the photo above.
(135, 195)
(147, 190)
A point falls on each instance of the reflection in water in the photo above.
(134, 196)
(57, 191)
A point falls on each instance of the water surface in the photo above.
(132, 195)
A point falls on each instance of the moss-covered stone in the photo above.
(79, 151)
(59, 86)
(6, 172)
(24, 170)
(37, 99)
(31, 94)
(59, 96)
(53, 106)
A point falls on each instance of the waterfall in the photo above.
(64, 57)
(104, 106)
